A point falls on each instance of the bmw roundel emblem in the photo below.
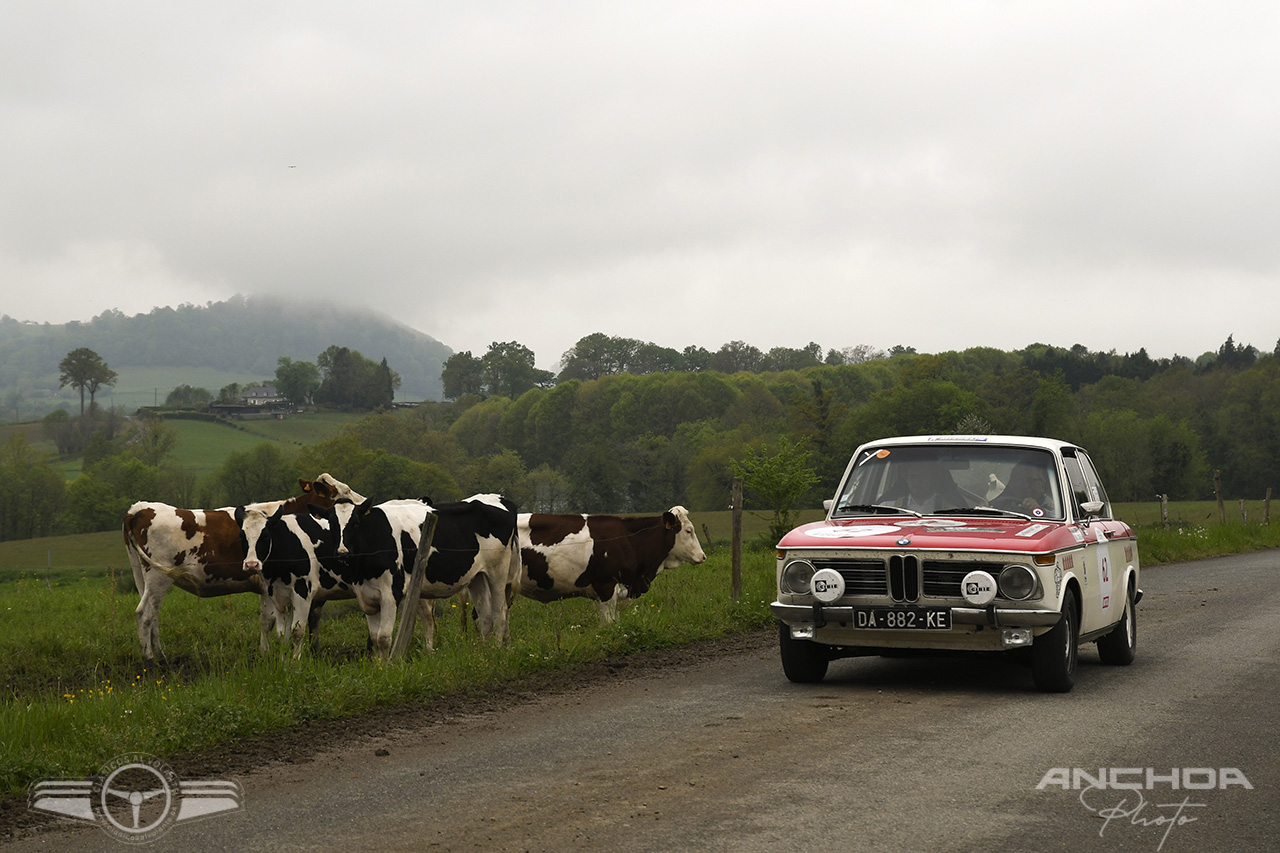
(904, 541)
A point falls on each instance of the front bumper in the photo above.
(993, 616)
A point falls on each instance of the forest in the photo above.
(617, 441)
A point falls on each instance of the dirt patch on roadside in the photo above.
(299, 743)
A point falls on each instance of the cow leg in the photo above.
(269, 619)
(313, 624)
(382, 626)
(489, 596)
(301, 616)
(155, 583)
(497, 588)
(379, 606)
(427, 611)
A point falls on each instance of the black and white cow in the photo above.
(366, 552)
(203, 552)
(610, 559)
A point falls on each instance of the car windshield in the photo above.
(929, 479)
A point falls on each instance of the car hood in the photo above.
(955, 533)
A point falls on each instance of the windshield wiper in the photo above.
(982, 510)
(879, 509)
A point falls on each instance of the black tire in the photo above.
(1121, 646)
(1054, 653)
(803, 661)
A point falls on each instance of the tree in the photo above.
(598, 355)
(463, 374)
(152, 440)
(84, 370)
(187, 397)
(508, 370)
(260, 474)
(297, 380)
(779, 476)
(352, 381)
(34, 492)
(735, 357)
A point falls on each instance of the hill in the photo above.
(208, 346)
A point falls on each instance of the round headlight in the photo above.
(796, 576)
(1017, 583)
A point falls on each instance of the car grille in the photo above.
(904, 577)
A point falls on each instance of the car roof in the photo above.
(1052, 444)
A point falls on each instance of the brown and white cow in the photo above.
(203, 552)
(607, 558)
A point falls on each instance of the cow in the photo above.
(203, 552)
(607, 558)
(366, 551)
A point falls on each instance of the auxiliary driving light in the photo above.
(828, 585)
(978, 588)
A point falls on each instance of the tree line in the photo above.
(623, 441)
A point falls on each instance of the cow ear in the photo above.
(239, 516)
(669, 520)
(279, 513)
(305, 484)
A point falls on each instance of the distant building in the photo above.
(261, 395)
(256, 401)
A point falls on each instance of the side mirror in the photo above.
(826, 505)
(1092, 508)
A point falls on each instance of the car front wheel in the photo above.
(1054, 653)
(803, 661)
(1120, 646)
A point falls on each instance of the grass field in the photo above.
(203, 446)
(77, 693)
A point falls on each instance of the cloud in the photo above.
(933, 174)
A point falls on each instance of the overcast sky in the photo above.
(933, 174)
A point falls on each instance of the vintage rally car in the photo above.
(961, 543)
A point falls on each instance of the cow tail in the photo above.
(134, 552)
(138, 557)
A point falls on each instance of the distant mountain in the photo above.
(244, 335)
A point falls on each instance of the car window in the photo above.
(933, 478)
(1093, 485)
(1084, 482)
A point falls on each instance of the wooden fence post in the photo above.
(1244, 515)
(736, 548)
(409, 606)
(1266, 508)
(1217, 493)
(1164, 511)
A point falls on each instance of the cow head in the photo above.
(687, 548)
(253, 536)
(330, 489)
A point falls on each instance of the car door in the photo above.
(1099, 605)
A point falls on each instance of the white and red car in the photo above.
(961, 543)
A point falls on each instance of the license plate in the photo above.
(903, 618)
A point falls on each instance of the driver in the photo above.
(930, 488)
(1028, 489)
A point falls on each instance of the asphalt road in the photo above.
(914, 755)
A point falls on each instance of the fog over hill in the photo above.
(244, 334)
